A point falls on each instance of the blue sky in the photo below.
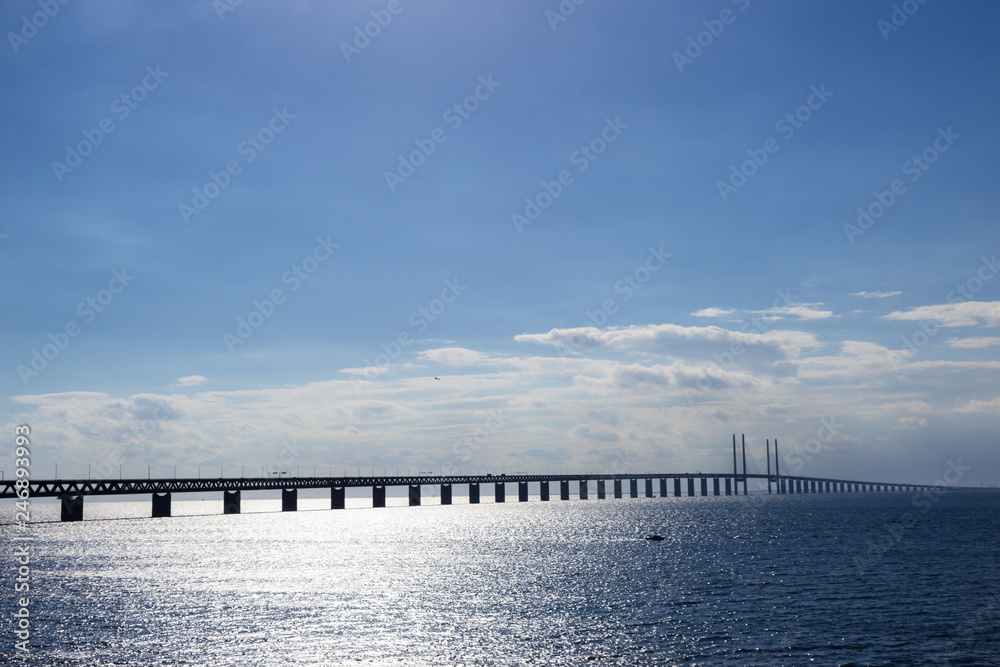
(259, 203)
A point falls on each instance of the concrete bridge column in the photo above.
(633, 488)
(813, 486)
(499, 492)
(618, 488)
(715, 486)
(704, 486)
(564, 489)
(337, 496)
(414, 495)
(230, 502)
(690, 486)
(378, 496)
(798, 486)
(289, 500)
(583, 489)
(72, 507)
(729, 488)
(649, 488)
(663, 487)
(601, 495)
(161, 504)
(543, 490)
(446, 494)
(522, 492)
(677, 486)
(473, 493)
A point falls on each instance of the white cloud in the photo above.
(875, 295)
(673, 339)
(802, 311)
(191, 380)
(454, 356)
(713, 312)
(910, 423)
(973, 343)
(964, 314)
(990, 406)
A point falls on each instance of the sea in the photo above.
(830, 579)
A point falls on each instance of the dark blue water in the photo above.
(827, 580)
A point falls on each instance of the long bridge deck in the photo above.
(72, 491)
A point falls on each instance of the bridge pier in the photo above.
(677, 487)
(601, 494)
(414, 495)
(633, 488)
(289, 500)
(704, 486)
(446, 494)
(499, 492)
(715, 486)
(522, 492)
(583, 489)
(378, 496)
(690, 486)
(618, 488)
(231, 502)
(161, 505)
(649, 488)
(564, 489)
(729, 489)
(337, 497)
(813, 486)
(798, 486)
(663, 487)
(473, 493)
(543, 490)
(72, 507)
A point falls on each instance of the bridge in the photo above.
(72, 492)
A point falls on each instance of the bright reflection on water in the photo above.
(736, 581)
